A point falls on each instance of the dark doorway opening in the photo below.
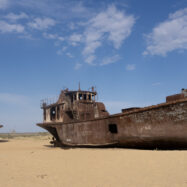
(58, 112)
(113, 128)
(44, 114)
(69, 114)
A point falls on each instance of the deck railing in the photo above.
(48, 101)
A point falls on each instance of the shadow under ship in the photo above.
(77, 120)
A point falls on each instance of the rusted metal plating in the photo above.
(76, 119)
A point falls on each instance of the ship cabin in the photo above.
(73, 106)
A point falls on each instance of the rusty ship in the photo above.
(1, 126)
(76, 119)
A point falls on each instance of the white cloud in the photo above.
(114, 22)
(60, 38)
(4, 4)
(112, 25)
(90, 59)
(130, 67)
(53, 36)
(77, 66)
(69, 55)
(91, 47)
(72, 26)
(62, 50)
(75, 38)
(7, 27)
(110, 60)
(42, 23)
(169, 35)
(15, 17)
(62, 10)
(49, 36)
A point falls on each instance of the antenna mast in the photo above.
(79, 86)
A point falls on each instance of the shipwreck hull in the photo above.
(158, 126)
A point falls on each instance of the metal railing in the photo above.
(48, 101)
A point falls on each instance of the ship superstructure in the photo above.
(73, 106)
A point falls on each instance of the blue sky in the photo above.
(134, 52)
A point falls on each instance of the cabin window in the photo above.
(80, 96)
(113, 128)
(84, 96)
(89, 97)
(53, 113)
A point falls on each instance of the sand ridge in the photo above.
(33, 162)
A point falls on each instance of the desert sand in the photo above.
(31, 161)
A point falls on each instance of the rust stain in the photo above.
(76, 119)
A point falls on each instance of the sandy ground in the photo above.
(32, 162)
